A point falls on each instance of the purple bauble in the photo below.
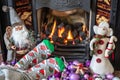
(86, 76)
(95, 75)
(71, 68)
(57, 75)
(13, 62)
(69, 63)
(74, 76)
(66, 69)
(109, 76)
(75, 62)
(87, 63)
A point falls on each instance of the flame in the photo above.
(60, 31)
(65, 41)
(51, 40)
(70, 36)
(84, 28)
(53, 29)
(80, 38)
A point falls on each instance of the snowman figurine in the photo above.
(102, 45)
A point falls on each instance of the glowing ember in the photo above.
(80, 38)
(65, 41)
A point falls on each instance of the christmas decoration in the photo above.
(46, 68)
(18, 39)
(109, 76)
(38, 72)
(102, 45)
(42, 51)
(73, 71)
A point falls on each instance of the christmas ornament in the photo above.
(86, 76)
(17, 37)
(75, 71)
(74, 76)
(102, 45)
(40, 71)
(42, 51)
(87, 63)
(109, 76)
(47, 67)
(13, 62)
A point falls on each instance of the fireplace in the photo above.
(67, 24)
(41, 7)
(68, 31)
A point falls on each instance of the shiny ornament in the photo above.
(69, 63)
(109, 76)
(95, 75)
(86, 76)
(74, 76)
(75, 62)
(13, 62)
(57, 75)
(87, 63)
(71, 68)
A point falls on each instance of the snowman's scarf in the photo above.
(22, 74)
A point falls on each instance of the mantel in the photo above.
(63, 5)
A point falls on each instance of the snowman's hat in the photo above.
(104, 24)
(14, 17)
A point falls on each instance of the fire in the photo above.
(70, 36)
(80, 38)
(65, 41)
(53, 29)
(60, 31)
(84, 28)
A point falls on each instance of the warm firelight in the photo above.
(70, 36)
(53, 29)
(60, 31)
(80, 38)
(84, 28)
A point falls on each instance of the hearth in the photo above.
(67, 24)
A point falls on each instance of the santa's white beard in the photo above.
(20, 38)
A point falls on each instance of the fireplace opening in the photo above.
(67, 24)
(67, 30)
(65, 27)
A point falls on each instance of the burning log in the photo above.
(75, 33)
(77, 41)
(69, 42)
(60, 40)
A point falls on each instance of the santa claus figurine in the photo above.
(102, 45)
(17, 37)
